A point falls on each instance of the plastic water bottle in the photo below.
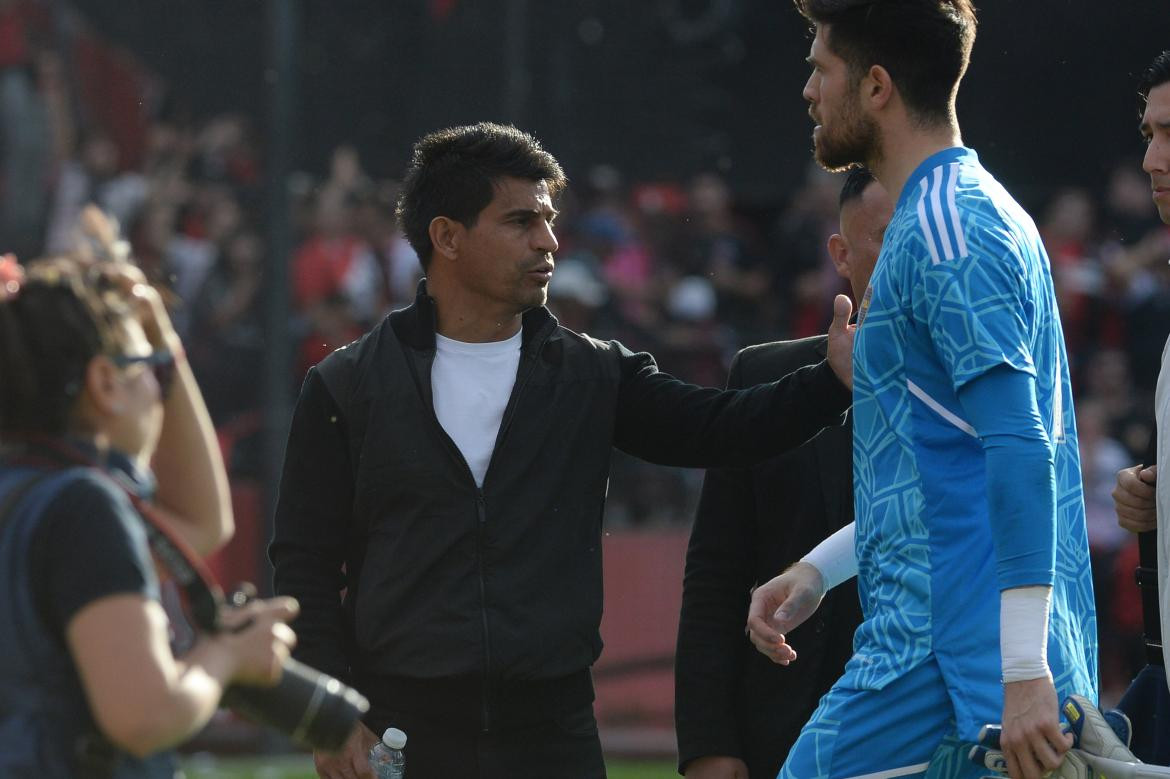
(386, 758)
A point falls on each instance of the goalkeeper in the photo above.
(970, 545)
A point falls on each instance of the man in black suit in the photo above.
(736, 713)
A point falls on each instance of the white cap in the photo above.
(394, 738)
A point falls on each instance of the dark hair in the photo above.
(858, 178)
(925, 45)
(64, 314)
(453, 172)
(1157, 74)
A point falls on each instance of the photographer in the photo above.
(89, 686)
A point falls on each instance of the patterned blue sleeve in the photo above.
(976, 309)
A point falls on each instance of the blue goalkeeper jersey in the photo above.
(962, 285)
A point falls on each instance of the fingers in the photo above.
(1036, 752)
(351, 761)
(778, 651)
(841, 340)
(1134, 498)
(842, 310)
(761, 631)
(1136, 487)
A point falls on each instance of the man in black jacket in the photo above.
(737, 713)
(447, 472)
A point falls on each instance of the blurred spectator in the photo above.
(335, 280)
(30, 90)
(1101, 458)
(227, 329)
(805, 279)
(398, 267)
(95, 176)
(725, 250)
(1069, 233)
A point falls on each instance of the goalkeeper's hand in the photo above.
(1100, 745)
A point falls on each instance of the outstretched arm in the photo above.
(669, 422)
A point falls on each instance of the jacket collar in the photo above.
(416, 324)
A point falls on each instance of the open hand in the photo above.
(781, 605)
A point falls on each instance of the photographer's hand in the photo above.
(193, 492)
(258, 639)
(352, 761)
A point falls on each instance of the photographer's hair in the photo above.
(1157, 74)
(925, 45)
(63, 315)
(856, 180)
(453, 172)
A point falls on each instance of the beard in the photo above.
(857, 140)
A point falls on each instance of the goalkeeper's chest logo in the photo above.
(864, 307)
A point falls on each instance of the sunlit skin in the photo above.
(135, 429)
(1155, 128)
(485, 276)
(855, 249)
(842, 135)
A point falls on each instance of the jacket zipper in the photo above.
(481, 509)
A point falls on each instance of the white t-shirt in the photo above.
(1162, 500)
(471, 384)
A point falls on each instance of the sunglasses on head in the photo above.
(161, 362)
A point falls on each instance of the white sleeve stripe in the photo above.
(922, 221)
(936, 207)
(955, 221)
(941, 410)
(945, 238)
(894, 772)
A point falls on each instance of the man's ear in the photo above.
(446, 236)
(877, 88)
(839, 254)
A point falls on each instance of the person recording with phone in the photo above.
(103, 436)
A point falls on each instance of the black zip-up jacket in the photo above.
(442, 578)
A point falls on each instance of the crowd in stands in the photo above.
(675, 268)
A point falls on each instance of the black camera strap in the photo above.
(203, 595)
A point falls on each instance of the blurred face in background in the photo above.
(134, 417)
(856, 248)
(1156, 129)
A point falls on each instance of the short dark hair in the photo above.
(1157, 74)
(858, 178)
(925, 45)
(453, 172)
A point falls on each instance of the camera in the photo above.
(311, 707)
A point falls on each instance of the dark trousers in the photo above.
(1147, 704)
(461, 727)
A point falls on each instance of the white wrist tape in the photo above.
(835, 557)
(1023, 632)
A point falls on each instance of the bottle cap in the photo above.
(394, 738)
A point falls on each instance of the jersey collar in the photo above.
(953, 154)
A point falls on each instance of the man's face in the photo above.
(843, 135)
(1156, 129)
(863, 225)
(506, 256)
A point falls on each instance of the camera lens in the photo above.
(311, 707)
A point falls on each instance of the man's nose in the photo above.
(545, 239)
(1157, 159)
